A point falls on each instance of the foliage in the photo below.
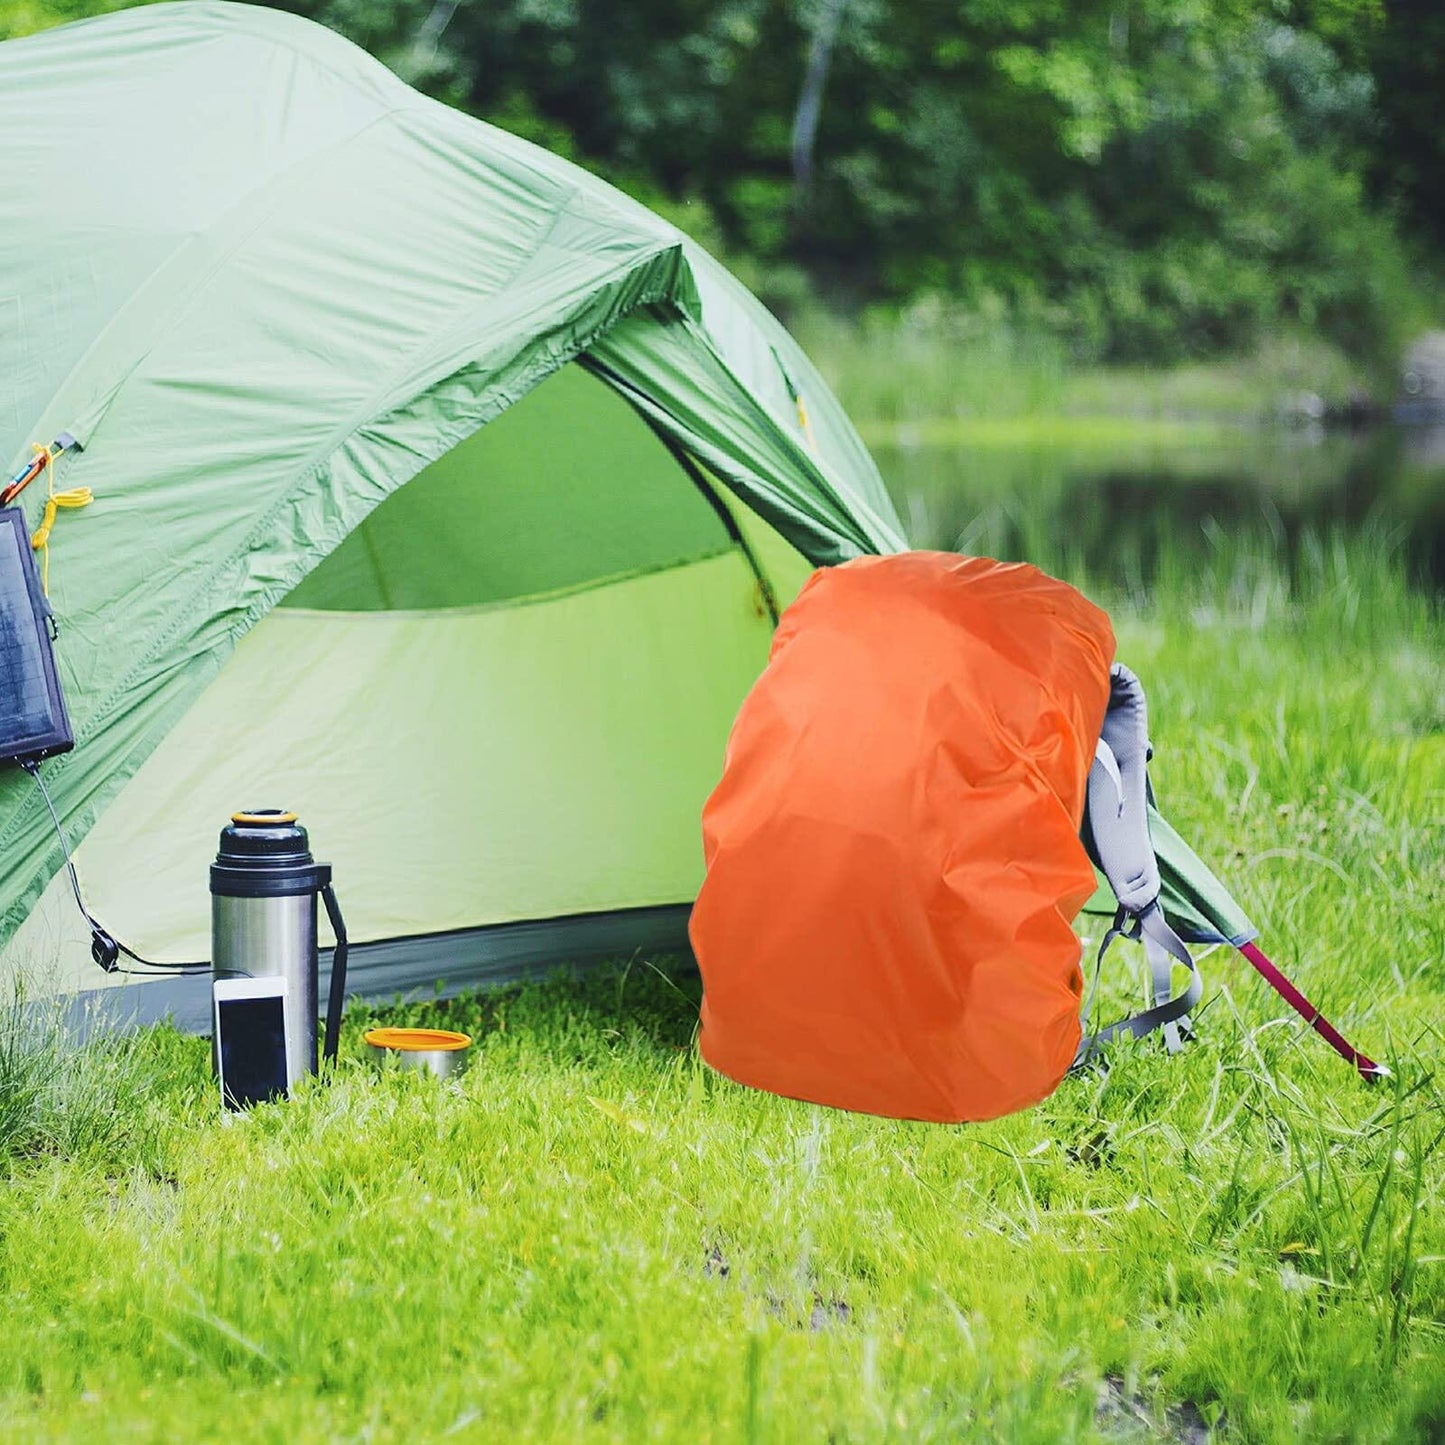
(1407, 61)
(1144, 179)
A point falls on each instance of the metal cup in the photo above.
(433, 1051)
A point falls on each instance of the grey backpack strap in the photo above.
(1118, 796)
(1119, 824)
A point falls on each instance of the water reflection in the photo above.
(1109, 509)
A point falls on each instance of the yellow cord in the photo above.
(71, 500)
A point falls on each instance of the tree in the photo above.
(1143, 176)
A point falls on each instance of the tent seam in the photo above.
(525, 599)
(465, 324)
(555, 358)
(867, 531)
(307, 474)
(811, 461)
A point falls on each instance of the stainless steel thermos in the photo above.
(264, 887)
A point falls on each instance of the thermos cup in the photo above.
(264, 887)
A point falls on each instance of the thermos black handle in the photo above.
(336, 995)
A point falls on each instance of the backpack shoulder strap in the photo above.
(1118, 818)
(1118, 795)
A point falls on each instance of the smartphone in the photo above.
(250, 1030)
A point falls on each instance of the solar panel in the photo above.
(33, 722)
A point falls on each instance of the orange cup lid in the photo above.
(415, 1041)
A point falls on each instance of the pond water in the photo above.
(1110, 502)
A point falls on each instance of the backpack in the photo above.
(914, 798)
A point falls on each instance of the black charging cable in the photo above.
(105, 948)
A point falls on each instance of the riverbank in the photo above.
(991, 440)
(933, 367)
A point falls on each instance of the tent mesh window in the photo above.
(33, 722)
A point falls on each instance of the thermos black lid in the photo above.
(264, 853)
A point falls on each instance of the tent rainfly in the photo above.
(442, 493)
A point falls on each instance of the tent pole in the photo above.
(694, 473)
(730, 524)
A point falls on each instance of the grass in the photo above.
(56, 1100)
(1108, 436)
(934, 373)
(591, 1237)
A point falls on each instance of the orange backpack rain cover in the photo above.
(893, 854)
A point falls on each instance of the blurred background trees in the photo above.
(1143, 179)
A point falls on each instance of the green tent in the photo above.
(442, 494)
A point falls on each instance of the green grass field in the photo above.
(592, 1237)
(949, 374)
